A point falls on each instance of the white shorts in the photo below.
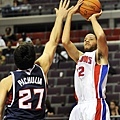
(90, 110)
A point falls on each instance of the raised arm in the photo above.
(47, 57)
(5, 85)
(71, 49)
(102, 48)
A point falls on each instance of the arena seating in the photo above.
(76, 35)
(43, 7)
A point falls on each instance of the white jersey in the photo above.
(90, 78)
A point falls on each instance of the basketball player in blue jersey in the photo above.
(23, 92)
(91, 70)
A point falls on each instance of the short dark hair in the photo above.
(92, 32)
(24, 56)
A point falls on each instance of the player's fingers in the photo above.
(70, 8)
(60, 4)
(101, 12)
(68, 2)
(80, 2)
(64, 3)
(77, 7)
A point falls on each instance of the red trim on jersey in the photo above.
(75, 96)
(98, 110)
(96, 78)
(9, 98)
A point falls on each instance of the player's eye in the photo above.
(91, 39)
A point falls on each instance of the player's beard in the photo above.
(90, 49)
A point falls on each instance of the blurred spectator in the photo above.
(16, 8)
(9, 35)
(60, 55)
(9, 50)
(20, 41)
(2, 58)
(25, 7)
(64, 54)
(2, 42)
(16, 3)
(114, 108)
(49, 110)
(24, 38)
(38, 47)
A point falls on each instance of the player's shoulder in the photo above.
(5, 79)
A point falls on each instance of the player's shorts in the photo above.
(90, 110)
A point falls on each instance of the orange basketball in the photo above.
(89, 7)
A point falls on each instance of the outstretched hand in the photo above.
(96, 15)
(63, 8)
(75, 8)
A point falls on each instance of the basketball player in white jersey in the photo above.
(91, 70)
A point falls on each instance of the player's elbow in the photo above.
(65, 42)
(101, 36)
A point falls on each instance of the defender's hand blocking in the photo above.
(63, 8)
(76, 7)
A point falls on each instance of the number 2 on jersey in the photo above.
(80, 71)
(25, 95)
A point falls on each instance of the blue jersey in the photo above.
(26, 99)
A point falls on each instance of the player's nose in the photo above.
(87, 40)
